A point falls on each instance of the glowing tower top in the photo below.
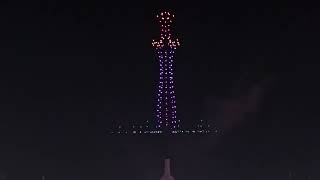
(165, 20)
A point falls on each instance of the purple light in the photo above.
(166, 103)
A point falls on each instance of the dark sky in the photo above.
(69, 69)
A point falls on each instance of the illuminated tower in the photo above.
(166, 100)
(166, 110)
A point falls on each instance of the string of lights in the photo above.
(200, 128)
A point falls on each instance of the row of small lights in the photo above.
(160, 132)
(146, 126)
(200, 126)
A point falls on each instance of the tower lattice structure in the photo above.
(166, 110)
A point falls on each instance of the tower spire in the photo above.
(167, 173)
(290, 175)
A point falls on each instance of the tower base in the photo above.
(167, 173)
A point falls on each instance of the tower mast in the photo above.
(166, 101)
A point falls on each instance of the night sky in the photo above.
(71, 69)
